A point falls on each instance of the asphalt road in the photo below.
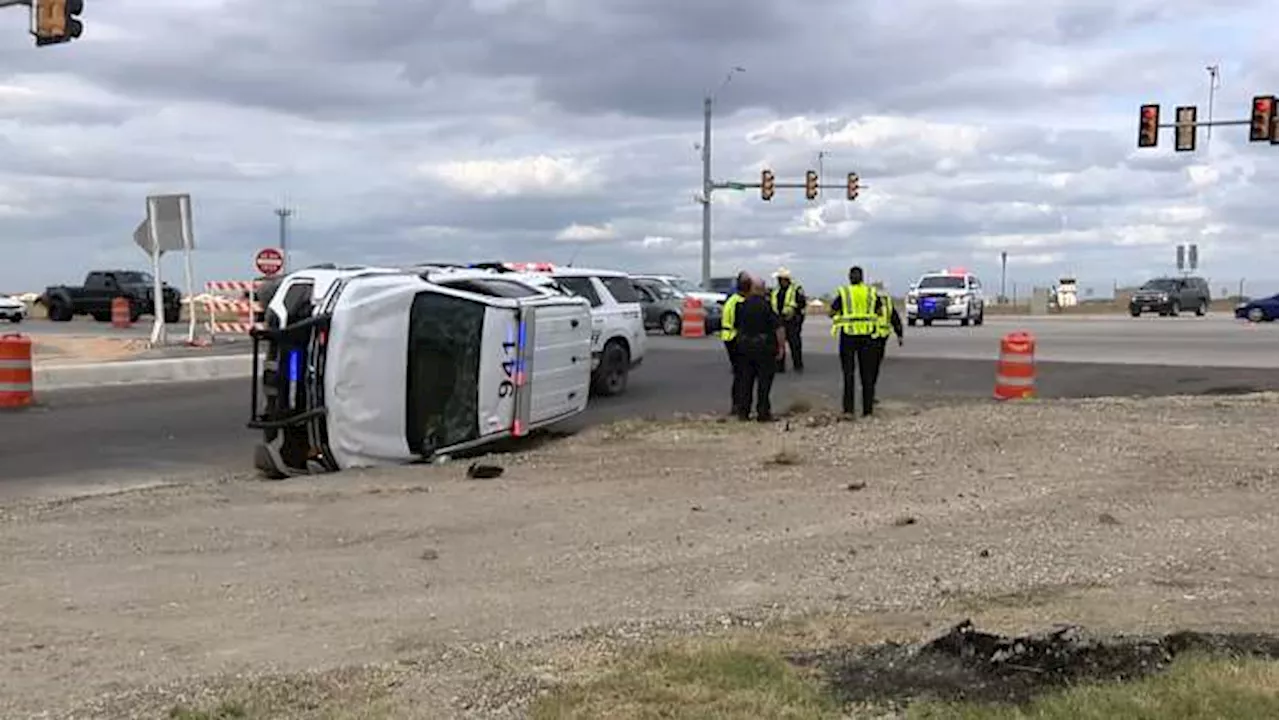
(123, 434)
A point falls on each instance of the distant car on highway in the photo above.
(946, 295)
(1265, 309)
(12, 309)
(375, 366)
(1170, 296)
(102, 287)
(663, 306)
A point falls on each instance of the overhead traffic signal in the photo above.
(766, 185)
(810, 185)
(853, 186)
(1148, 126)
(1263, 118)
(55, 21)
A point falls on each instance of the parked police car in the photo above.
(370, 366)
(946, 295)
(617, 321)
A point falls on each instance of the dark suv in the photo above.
(1170, 296)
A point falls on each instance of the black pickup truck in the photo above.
(101, 287)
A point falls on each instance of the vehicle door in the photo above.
(625, 308)
(584, 288)
(1186, 294)
(648, 304)
(444, 366)
(99, 290)
(975, 292)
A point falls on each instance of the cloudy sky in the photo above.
(412, 130)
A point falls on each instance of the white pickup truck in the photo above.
(373, 366)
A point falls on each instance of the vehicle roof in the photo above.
(584, 272)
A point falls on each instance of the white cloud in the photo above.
(533, 175)
(587, 233)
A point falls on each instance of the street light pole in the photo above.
(1215, 82)
(707, 184)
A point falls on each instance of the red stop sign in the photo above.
(269, 261)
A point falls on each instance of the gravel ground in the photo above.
(422, 591)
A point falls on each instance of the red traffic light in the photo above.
(1264, 109)
(1148, 126)
(766, 185)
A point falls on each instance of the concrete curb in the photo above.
(139, 372)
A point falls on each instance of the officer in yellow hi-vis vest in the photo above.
(853, 320)
(888, 322)
(729, 334)
(789, 302)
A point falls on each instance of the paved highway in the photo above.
(138, 433)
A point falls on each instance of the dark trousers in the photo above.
(881, 345)
(731, 349)
(859, 355)
(795, 344)
(756, 368)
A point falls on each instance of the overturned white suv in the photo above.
(372, 366)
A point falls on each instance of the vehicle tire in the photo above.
(1135, 313)
(15, 319)
(1175, 308)
(173, 316)
(1202, 308)
(911, 322)
(670, 324)
(262, 461)
(927, 323)
(102, 317)
(964, 322)
(982, 317)
(1256, 315)
(615, 366)
(60, 311)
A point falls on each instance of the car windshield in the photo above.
(683, 285)
(948, 282)
(1160, 284)
(134, 278)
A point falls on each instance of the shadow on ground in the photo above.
(967, 664)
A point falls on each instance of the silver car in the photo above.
(663, 307)
(12, 309)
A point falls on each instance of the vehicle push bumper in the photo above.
(931, 308)
(289, 409)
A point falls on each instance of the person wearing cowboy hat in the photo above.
(789, 301)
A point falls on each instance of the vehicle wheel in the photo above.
(911, 322)
(982, 317)
(1135, 313)
(1202, 308)
(615, 366)
(928, 323)
(59, 311)
(15, 319)
(173, 315)
(964, 322)
(102, 317)
(670, 324)
(1174, 308)
(1256, 315)
(262, 461)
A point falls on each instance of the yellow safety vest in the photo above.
(884, 316)
(727, 318)
(857, 311)
(789, 307)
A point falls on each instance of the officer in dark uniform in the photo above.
(789, 302)
(887, 322)
(853, 321)
(761, 347)
(729, 333)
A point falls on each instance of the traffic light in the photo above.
(766, 185)
(55, 21)
(853, 186)
(1264, 112)
(1148, 126)
(810, 185)
(1184, 135)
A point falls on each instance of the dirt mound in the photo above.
(968, 664)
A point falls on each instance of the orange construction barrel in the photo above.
(693, 319)
(1016, 367)
(120, 313)
(15, 371)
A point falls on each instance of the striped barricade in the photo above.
(223, 297)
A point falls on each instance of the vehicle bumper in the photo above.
(12, 314)
(1153, 305)
(937, 311)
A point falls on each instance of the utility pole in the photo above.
(821, 154)
(283, 213)
(707, 185)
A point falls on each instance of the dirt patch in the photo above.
(968, 664)
(478, 593)
(72, 349)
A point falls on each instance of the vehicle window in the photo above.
(621, 290)
(1159, 284)
(441, 393)
(941, 282)
(644, 293)
(973, 283)
(492, 288)
(581, 287)
(98, 280)
(664, 293)
(683, 285)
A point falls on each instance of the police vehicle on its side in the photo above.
(946, 295)
(368, 366)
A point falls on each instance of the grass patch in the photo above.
(784, 458)
(225, 710)
(718, 682)
(1193, 688)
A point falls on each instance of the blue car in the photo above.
(1262, 309)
